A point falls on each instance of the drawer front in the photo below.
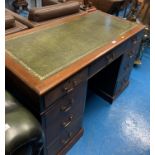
(135, 44)
(138, 37)
(128, 58)
(64, 137)
(127, 63)
(126, 66)
(64, 112)
(121, 83)
(106, 59)
(65, 87)
(97, 65)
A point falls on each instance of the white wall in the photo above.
(34, 3)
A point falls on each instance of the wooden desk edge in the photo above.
(41, 87)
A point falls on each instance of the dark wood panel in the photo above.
(65, 87)
(65, 138)
(106, 59)
(64, 112)
(105, 80)
(113, 79)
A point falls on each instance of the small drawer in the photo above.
(64, 112)
(106, 59)
(119, 50)
(65, 87)
(136, 48)
(121, 83)
(64, 137)
(136, 41)
(130, 57)
(97, 65)
(125, 68)
(138, 37)
(127, 62)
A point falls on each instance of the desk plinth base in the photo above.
(69, 145)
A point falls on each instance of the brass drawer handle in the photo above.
(131, 54)
(134, 40)
(66, 108)
(65, 141)
(68, 90)
(67, 122)
(110, 58)
(75, 82)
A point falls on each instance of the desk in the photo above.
(49, 66)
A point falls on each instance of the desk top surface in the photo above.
(46, 52)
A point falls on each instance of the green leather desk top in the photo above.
(47, 51)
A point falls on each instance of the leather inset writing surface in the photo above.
(47, 51)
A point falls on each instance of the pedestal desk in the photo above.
(49, 68)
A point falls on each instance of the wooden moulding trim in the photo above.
(41, 87)
(71, 143)
(19, 71)
(19, 27)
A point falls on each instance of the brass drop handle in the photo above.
(130, 54)
(110, 58)
(65, 141)
(66, 123)
(135, 41)
(66, 108)
(68, 90)
(75, 82)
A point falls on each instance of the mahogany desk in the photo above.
(49, 67)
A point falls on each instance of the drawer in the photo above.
(64, 137)
(137, 37)
(64, 112)
(106, 59)
(121, 83)
(65, 87)
(127, 63)
(97, 65)
(136, 47)
(136, 41)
